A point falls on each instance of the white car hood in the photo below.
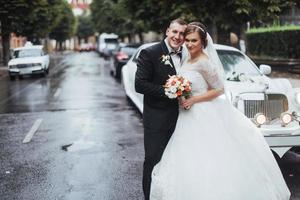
(26, 60)
(259, 84)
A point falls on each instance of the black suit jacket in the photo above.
(160, 112)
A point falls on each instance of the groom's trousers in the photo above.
(155, 142)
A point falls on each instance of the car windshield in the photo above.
(111, 40)
(234, 61)
(112, 46)
(28, 53)
(128, 50)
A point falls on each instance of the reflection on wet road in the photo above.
(76, 151)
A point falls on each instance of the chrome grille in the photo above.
(272, 106)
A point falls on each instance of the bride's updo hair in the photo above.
(200, 29)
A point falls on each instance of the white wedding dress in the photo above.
(215, 153)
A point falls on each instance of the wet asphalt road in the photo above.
(89, 143)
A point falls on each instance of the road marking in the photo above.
(32, 131)
(57, 92)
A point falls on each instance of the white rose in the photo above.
(173, 89)
(167, 62)
(173, 96)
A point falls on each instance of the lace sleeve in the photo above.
(211, 75)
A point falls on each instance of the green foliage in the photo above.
(33, 19)
(85, 27)
(103, 15)
(131, 16)
(36, 23)
(279, 42)
(11, 15)
(273, 29)
(65, 28)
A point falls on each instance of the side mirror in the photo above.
(265, 69)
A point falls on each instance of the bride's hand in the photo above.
(187, 103)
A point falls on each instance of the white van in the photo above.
(107, 43)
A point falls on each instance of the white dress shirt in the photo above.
(175, 58)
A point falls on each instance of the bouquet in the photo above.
(177, 86)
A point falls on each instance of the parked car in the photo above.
(30, 59)
(86, 47)
(272, 104)
(121, 57)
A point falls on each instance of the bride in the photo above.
(215, 153)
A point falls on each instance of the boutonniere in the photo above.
(165, 59)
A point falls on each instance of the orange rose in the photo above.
(179, 93)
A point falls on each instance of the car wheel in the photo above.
(112, 73)
(44, 73)
(118, 71)
(11, 77)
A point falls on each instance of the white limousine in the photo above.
(272, 104)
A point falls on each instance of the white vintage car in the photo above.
(30, 59)
(272, 104)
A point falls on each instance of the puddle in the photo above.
(65, 147)
(78, 146)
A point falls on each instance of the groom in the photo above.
(160, 113)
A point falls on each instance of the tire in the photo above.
(12, 78)
(44, 73)
(118, 71)
(112, 73)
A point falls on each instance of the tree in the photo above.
(41, 17)
(221, 16)
(35, 25)
(118, 17)
(65, 27)
(226, 15)
(103, 15)
(10, 16)
(85, 27)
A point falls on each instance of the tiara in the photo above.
(201, 29)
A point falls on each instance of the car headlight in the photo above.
(12, 66)
(260, 119)
(286, 118)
